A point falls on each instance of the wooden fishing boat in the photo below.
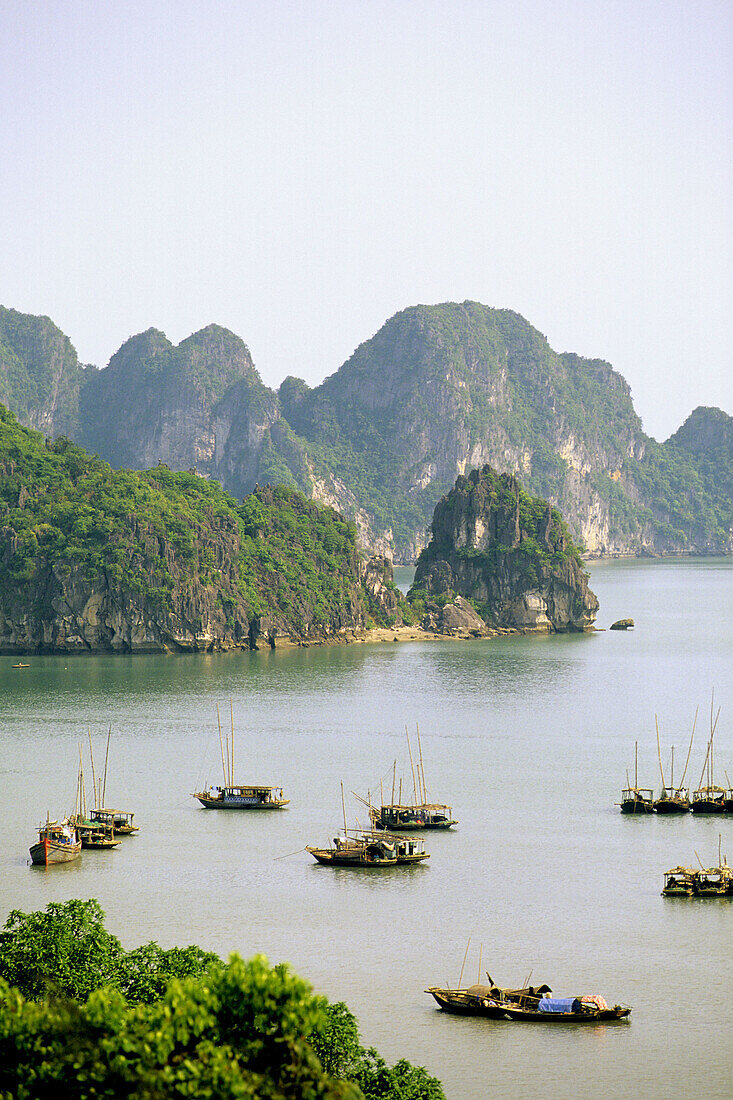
(120, 821)
(673, 799)
(636, 799)
(93, 834)
(349, 851)
(408, 848)
(714, 882)
(567, 1010)
(708, 798)
(485, 1000)
(679, 882)
(58, 842)
(399, 815)
(21, 665)
(233, 796)
(242, 798)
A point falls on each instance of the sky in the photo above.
(301, 171)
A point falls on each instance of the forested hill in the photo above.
(94, 559)
(437, 391)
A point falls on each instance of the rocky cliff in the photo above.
(509, 553)
(437, 391)
(93, 560)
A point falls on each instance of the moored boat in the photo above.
(636, 799)
(399, 815)
(679, 882)
(120, 821)
(568, 1010)
(485, 1000)
(242, 798)
(234, 796)
(673, 799)
(709, 798)
(346, 851)
(58, 842)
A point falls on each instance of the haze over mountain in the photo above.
(437, 391)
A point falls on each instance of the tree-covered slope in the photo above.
(93, 558)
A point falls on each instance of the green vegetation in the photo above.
(40, 375)
(81, 1017)
(162, 536)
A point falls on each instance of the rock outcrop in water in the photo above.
(507, 552)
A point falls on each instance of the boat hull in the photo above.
(707, 806)
(464, 1004)
(601, 1016)
(331, 858)
(47, 852)
(671, 806)
(633, 806)
(240, 803)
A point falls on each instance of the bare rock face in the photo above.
(509, 553)
(456, 618)
(378, 578)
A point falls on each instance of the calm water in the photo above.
(529, 739)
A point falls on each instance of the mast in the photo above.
(464, 962)
(106, 758)
(231, 771)
(394, 776)
(636, 765)
(412, 765)
(682, 781)
(659, 754)
(671, 777)
(221, 746)
(94, 778)
(422, 767)
(343, 807)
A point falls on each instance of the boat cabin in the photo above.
(680, 882)
(121, 821)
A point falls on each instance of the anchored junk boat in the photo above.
(233, 796)
(708, 798)
(673, 799)
(399, 815)
(362, 848)
(531, 1004)
(636, 799)
(58, 842)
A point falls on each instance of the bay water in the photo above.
(529, 739)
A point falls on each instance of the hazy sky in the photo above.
(300, 171)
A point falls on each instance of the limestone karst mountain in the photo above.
(437, 391)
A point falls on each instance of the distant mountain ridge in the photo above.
(439, 390)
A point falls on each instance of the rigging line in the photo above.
(694, 723)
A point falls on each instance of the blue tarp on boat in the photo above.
(558, 1004)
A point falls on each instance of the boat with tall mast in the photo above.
(120, 821)
(636, 799)
(421, 813)
(356, 849)
(709, 798)
(233, 796)
(673, 799)
(58, 842)
(93, 834)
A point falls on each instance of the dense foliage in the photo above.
(80, 1017)
(159, 532)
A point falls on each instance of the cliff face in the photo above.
(508, 553)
